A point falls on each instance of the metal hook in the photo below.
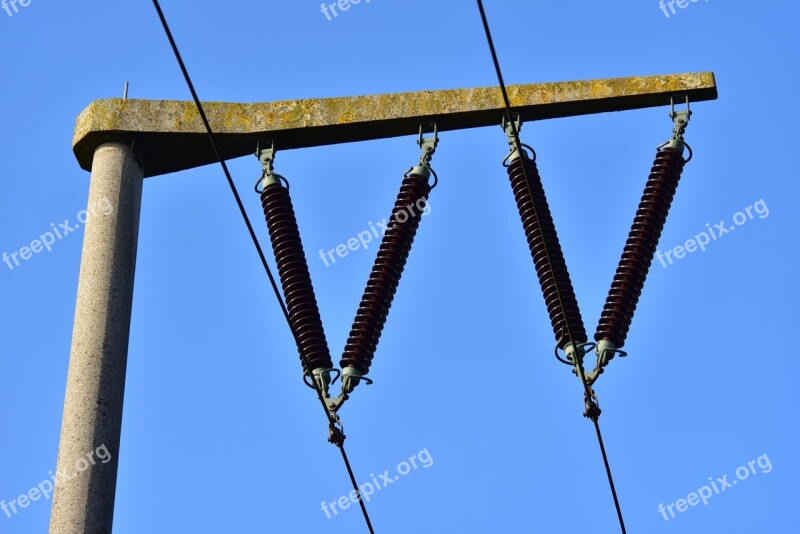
(267, 158)
(275, 175)
(507, 162)
(266, 155)
(512, 129)
(325, 389)
(412, 170)
(680, 118)
(672, 106)
(428, 146)
(579, 352)
(605, 353)
(348, 385)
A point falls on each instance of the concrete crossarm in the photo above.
(169, 135)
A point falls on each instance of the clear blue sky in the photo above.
(220, 435)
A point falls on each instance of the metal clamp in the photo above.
(428, 146)
(265, 152)
(605, 351)
(351, 377)
(266, 155)
(512, 128)
(322, 379)
(591, 406)
(336, 432)
(680, 120)
(573, 356)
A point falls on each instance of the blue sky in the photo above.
(220, 435)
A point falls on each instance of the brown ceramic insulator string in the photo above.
(568, 331)
(298, 290)
(385, 276)
(548, 258)
(331, 421)
(640, 248)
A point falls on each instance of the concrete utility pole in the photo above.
(96, 379)
(121, 141)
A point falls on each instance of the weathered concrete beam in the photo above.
(169, 134)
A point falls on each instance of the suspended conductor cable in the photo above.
(334, 424)
(590, 397)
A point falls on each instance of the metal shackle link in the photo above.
(428, 146)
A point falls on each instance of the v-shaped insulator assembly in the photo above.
(382, 285)
(634, 265)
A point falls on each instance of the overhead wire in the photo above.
(333, 423)
(587, 389)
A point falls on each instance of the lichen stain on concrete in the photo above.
(123, 120)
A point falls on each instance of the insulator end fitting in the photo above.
(675, 144)
(270, 179)
(605, 351)
(423, 171)
(322, 377)
(512, 129)
(351, 377)
(574, 354)
(680, 120)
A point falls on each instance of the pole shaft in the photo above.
(90, 432)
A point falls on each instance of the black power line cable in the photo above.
(587, 388)
(331, 420)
